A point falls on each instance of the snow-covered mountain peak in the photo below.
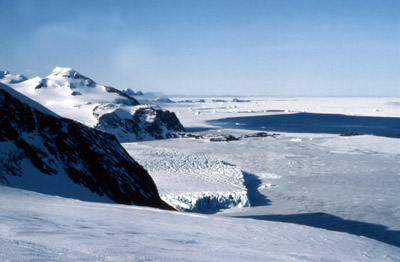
(3, 73)
(7, 78)
(65, 72)
(130, 92)
(66, 76)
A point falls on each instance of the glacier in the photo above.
(192, 182)
(207, 202)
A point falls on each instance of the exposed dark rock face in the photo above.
(59, 146)
(40, 84)
(145, 123)
(225, 138)
(75, 93)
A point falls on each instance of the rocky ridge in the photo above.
(55, 149)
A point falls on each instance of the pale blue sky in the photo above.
(272, 48)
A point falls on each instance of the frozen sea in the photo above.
(307, 175)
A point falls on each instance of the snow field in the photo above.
(38, 227)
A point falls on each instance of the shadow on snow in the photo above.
(252, 183)
(315, 123)
(334, 223)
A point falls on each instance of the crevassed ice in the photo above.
(192, 182)
(207, 201)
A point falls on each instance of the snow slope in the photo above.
(38, 227)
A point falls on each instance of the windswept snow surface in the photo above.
(339, 183)
(37, 227)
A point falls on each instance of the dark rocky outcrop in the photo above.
(351, 133)
(57, 146)
(75, 93)
(226, 138)
(145, 123)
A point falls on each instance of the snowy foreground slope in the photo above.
(37, 227)
(74, 96)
